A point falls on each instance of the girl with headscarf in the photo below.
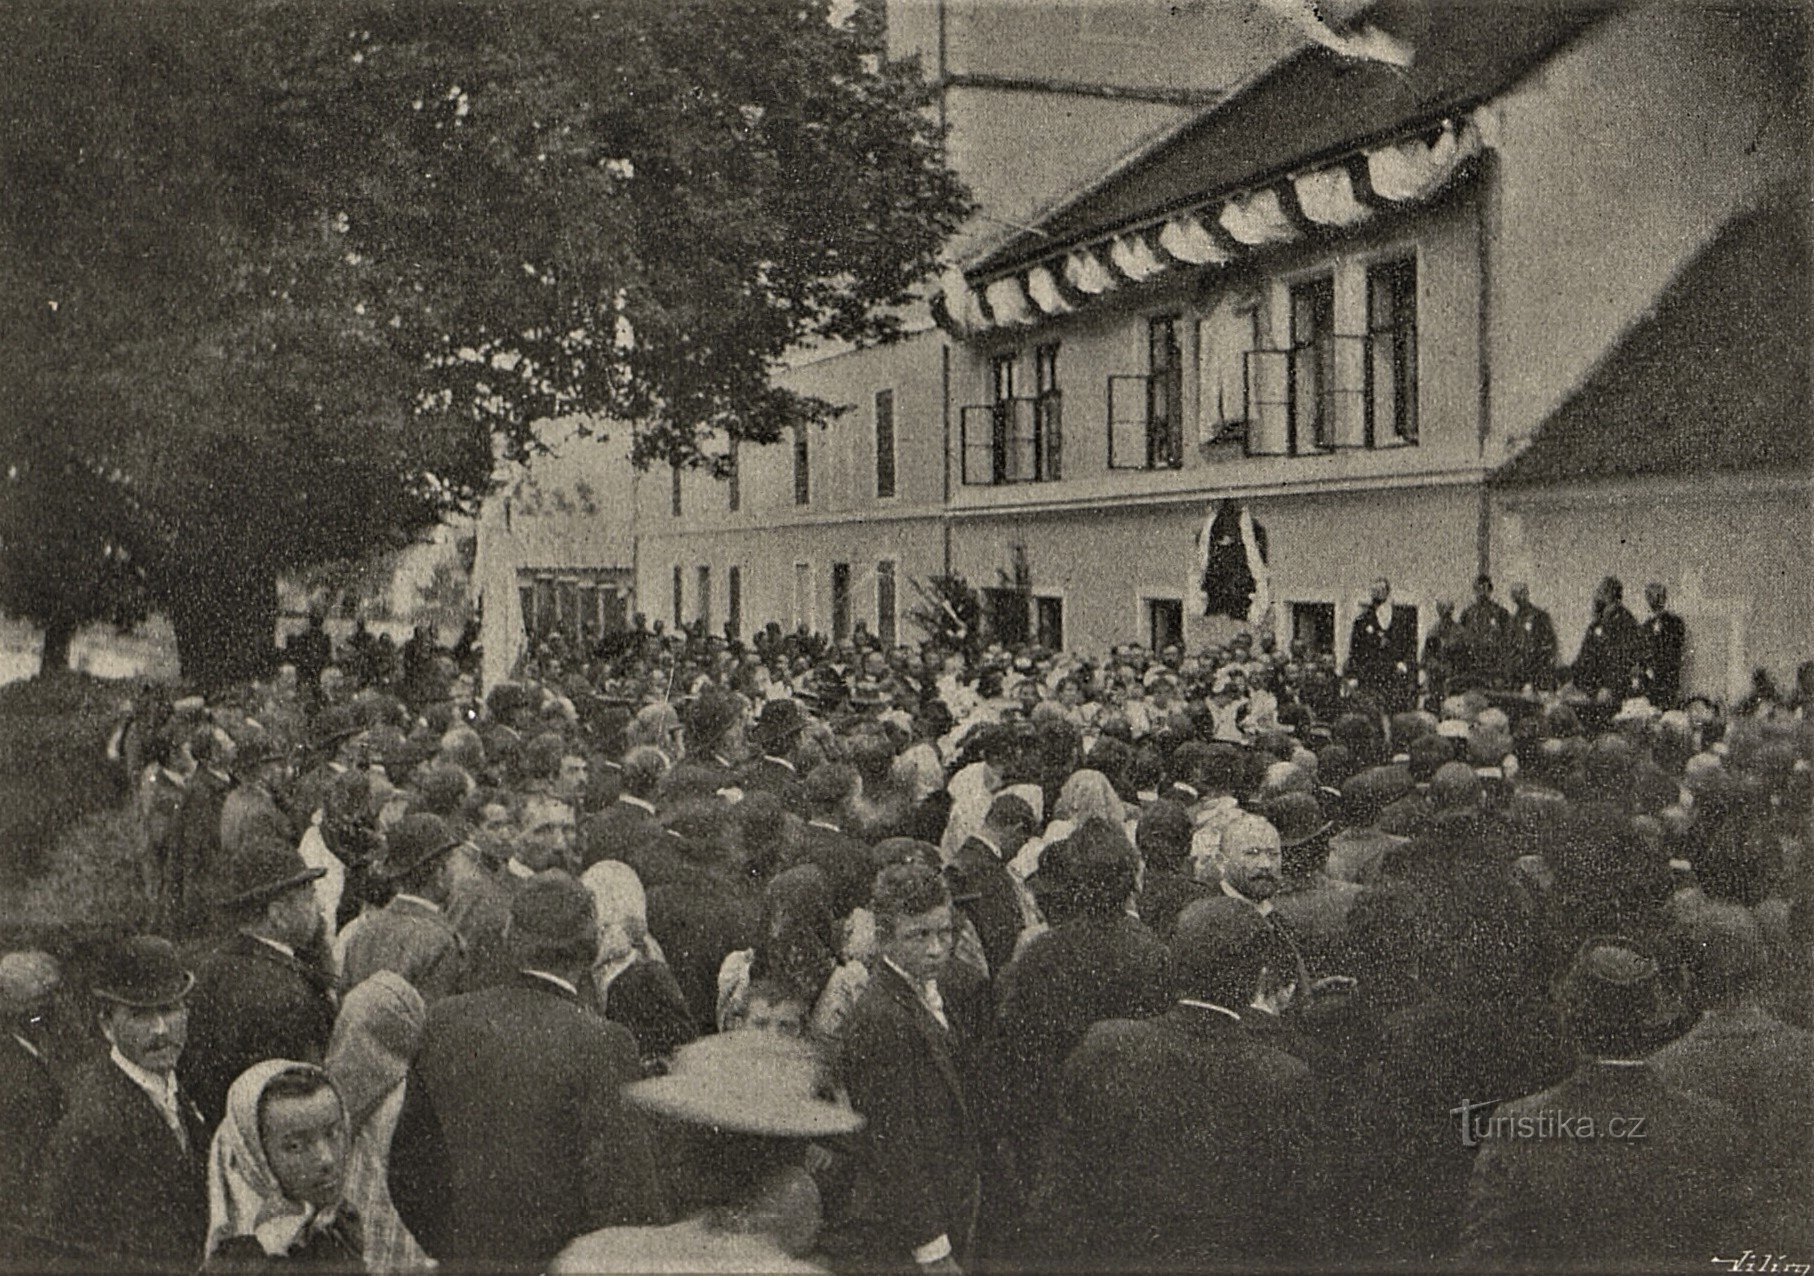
(1087, 795)
(630, 982)
(277, 1175)
(657, 724)
(374, 1041)
(805, 945)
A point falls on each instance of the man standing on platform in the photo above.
(1487, 626)
(1382, 649)
(1610, 664)
(1531, 645)
(1664, 636)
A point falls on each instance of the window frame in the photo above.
(803, 481)
(891, 452)
(1404, 335)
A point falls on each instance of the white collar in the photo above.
(824, 824)
(636, 802)
(912, 983)
(29, 1048)
(417, 899)
(564, 984)
(1263, 906)
(1209, 1005)
(769, 757)
(1620, 1063)
(279, 945)
(516, 868)
(987, 841)
(160, 1086)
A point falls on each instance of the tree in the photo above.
(285, 277)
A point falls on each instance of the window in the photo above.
(802, 472)
(1313, 624)
(1007, 611)
(1014, 438)
(1225, 339)
(1146, 411)
(674, 493)
(705, 599)
(679, 601)
(884, 443)
(1048, 623)
(526, 600)
(1164, 623)
(1310, 383)
(1048, 418)
(733, 602)
(886, 622)
(840, 601)
(1392, 353)
(803, 595)
(733, 478)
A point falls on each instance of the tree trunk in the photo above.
(227, 633)
(53, 656)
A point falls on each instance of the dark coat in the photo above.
(31, 1103)
(1164, 896)
(1659, 1201)
(513, 1137)
(1314, 911)
(917, 1159)
(338, 1248)
(250, 1003)
(1488, 626)
(1080, 973)
(117, 1190)
(845, 861)
(771, 775)
(625, 832)
(646, 999)
(1182, 1141)
(1665, 637)
(1531, 648)
(1612, 654)
(986, 894)
(1374, 654)
(192, 870)
(699, 920)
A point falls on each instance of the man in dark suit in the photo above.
(981, 885)
(906, 1053)
(121, 1186)
(775, 735)
(1531, 643)
(1609, 665)
(841, 856)
(254, 997)
(629, 831)
(513, 1137)
(1653, 1181)
(1382, 649)
(31, 1098)
(1487, 627)
(1183, 1141)
(197, 856)
(1665, 636)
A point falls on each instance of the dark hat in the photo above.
(1455, 786)
(1211, 932)
(414, 841)
(332, 726)
(1298, 817)
(553, 910)
(256, 746)
(1615, 997)
(780, 721)
(142, 971)
(261, 870)
(1427, 754)
(713, 714)
(1096, 855)
(1372, 791)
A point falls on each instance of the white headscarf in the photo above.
(244, 1196)
(622, 909)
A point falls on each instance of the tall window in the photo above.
(884, 443)
(1392, 353)
(1164, 394)
(733, 601)
(803, 490)
(734, 479)
(679, 600)
(885, 602)
(1311, 379)
(840, 601)
(1048, 422)
(1048, 623)
(1164, 622)
(674, 491)
(1001, 394)
(705, 599)
(803, 595)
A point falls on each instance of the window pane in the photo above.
(802, 476)
(885, 603)
(734, 482)
(885, 443)
(733, 600)
(840, 600)
(705, 598)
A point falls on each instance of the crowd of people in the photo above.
(684, 953)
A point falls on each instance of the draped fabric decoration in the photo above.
(963, 309)
(1257, 218)
(1186, 240)
(1253, 546)
(1008, 302)
(1412, 170)
(1086, 273)
(1235, 578)
(502, 638)
(1043, 288)
(1199, 586)
(1134, 259)
(1327, 198)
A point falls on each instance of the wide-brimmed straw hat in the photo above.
(746, 1082)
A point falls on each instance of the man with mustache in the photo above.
(122, 1186)
(1249, 863)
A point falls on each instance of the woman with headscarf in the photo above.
(630, 982)
(277, 1175)
(804, 944)
(657, 724)
(374, 1041)
(1087, 795)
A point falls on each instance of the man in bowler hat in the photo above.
(122, 1179)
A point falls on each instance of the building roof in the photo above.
(1714, 378)
(1314, 105)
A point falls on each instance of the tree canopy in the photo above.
(284, 277)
